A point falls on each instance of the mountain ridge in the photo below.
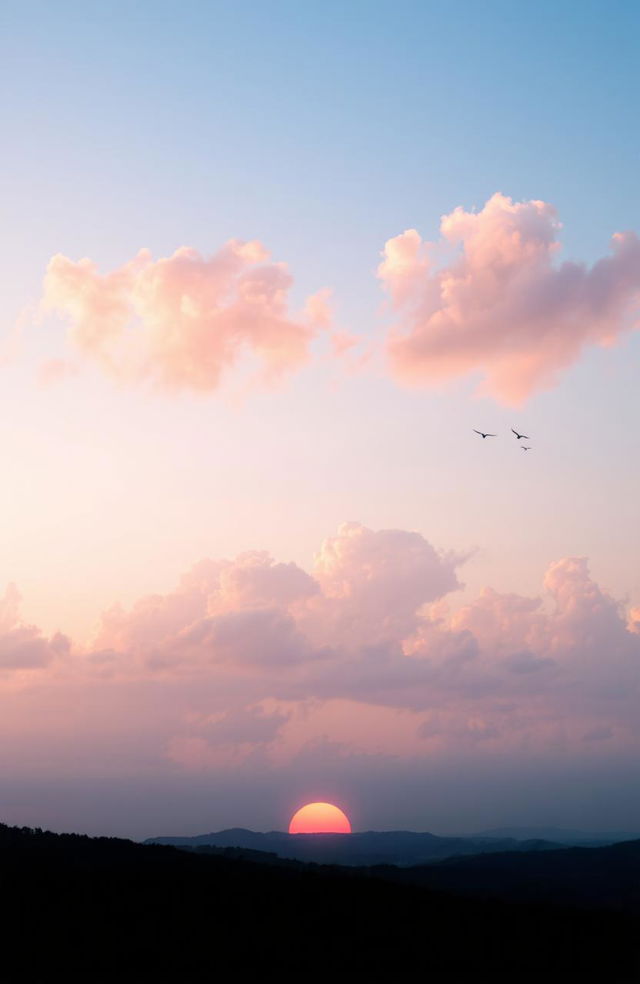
(362, 848)
(561, 835)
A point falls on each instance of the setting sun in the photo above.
(319, 818)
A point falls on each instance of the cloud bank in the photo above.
(184, 322)
(354, 679)
(250, 654)
(489, 299)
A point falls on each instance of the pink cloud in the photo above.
(500, 306)
(318, 308)
(633, 621)
(374, 582)
(368, 626)
(319, 311)
(23, 647)
(184, 322)
(219, 607)
(245, 725)
(258, 638)
(263, 656)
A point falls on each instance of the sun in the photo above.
(319, 818)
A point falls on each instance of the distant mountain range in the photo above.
(561, 835)
(398, 847)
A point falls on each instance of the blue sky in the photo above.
(323, 130)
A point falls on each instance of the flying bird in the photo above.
(483, 435)
(524, 447)
(519, 436)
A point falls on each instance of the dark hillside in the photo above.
(82, 909)
(596, 877)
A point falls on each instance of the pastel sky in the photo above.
(265, 268)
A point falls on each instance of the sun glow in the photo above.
(319, 818)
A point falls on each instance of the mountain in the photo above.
(605, 877)
(489, 867)
(83, 909)
(371, 847)
(559, 835)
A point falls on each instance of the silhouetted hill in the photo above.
(96, 910)
(371, 847)
(560, 835)
(605, 877)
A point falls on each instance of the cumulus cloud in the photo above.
(254, 660)
(369, 626)
(254, 638)
(183, 322)
(500, 305)
(23, 647)
(221, 610)
(374, 582)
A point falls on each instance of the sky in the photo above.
(266, 268)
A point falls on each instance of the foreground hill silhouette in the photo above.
(103, 909)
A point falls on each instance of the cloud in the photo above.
(220, 611)
(369, 625)
(185, 321)
(258, 638)
(374, 582)
(498, 305)
(23, 647)
(246, 725)
(633, 621)
(250, 662)
(489, 299)
(241, 733)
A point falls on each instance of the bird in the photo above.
(519, 436)
(483, 435)
(524, 447)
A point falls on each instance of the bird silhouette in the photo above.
(483, 435)
(524, 447)
(519, 436)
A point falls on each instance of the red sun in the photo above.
(319, 818)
